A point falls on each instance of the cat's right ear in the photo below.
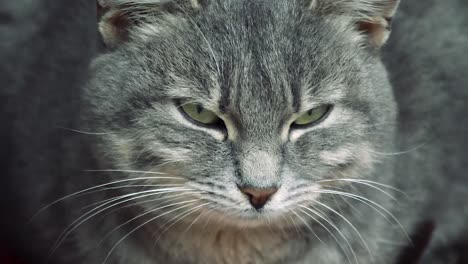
(114, 22)
(120, 20)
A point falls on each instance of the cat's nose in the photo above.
(258, 197)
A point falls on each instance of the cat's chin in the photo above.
(250, 219)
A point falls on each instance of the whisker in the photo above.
(85, 132)
(351, 225)
(177, 196)
(208, 219)
(182, 214)
(308, 226)
(177, 219)
(146, 212)
(331, 233)
(138, 227)
(92, 213)
(132, 171)
(370, 182)
(398, 153)
(366, 184)
(367, 201)
(344, 198)
(377, 124)
(196, 219)
(268, 222)
(368, 204)
(128, 186)
(84, 191)
(294, 223)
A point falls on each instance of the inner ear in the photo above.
(372, 18)
(376, 29)
(114, 26)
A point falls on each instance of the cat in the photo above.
(241, 131)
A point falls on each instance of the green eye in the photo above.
(313, 116)
(199, 114)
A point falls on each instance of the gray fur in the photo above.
(258, 65)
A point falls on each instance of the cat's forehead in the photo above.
(252, 57)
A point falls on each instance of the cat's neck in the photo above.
(218, 243)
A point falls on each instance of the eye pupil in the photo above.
(199, 108)
(310, 112)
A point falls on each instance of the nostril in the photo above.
(258, 196)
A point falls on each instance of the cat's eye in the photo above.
(199, 114)
(312, 117)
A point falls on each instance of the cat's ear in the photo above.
(113, 23)
(119, 20)
(370, 17)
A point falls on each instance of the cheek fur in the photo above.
(124, 148)
(170, 154)
(360, 154)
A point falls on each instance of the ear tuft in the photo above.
(114, 27)
(376, 29)
(372, 17)
(118, 18)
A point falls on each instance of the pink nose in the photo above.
(258, 197)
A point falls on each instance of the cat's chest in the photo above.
(233, 246)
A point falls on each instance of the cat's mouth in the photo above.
(247, 218)
(244, 207)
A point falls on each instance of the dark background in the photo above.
(45, 49)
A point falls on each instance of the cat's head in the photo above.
(241, 107)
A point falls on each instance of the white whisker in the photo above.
(177, 196)
(138, 227)
(131, 171)
(208, 219)
(328, 230)
(365, 181)
(369, 203)
(196, 219)
(149, 211)
(85, 132)
(99, 209)
(352, 226)
(308, 226)
(399, 152)
(91, 189)
(294, 223)
(177, 219)
(365, 184)
(128, 186)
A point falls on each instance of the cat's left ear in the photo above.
(373, 18)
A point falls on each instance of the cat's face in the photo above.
(246, 106)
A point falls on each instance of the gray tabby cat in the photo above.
(240, 131)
